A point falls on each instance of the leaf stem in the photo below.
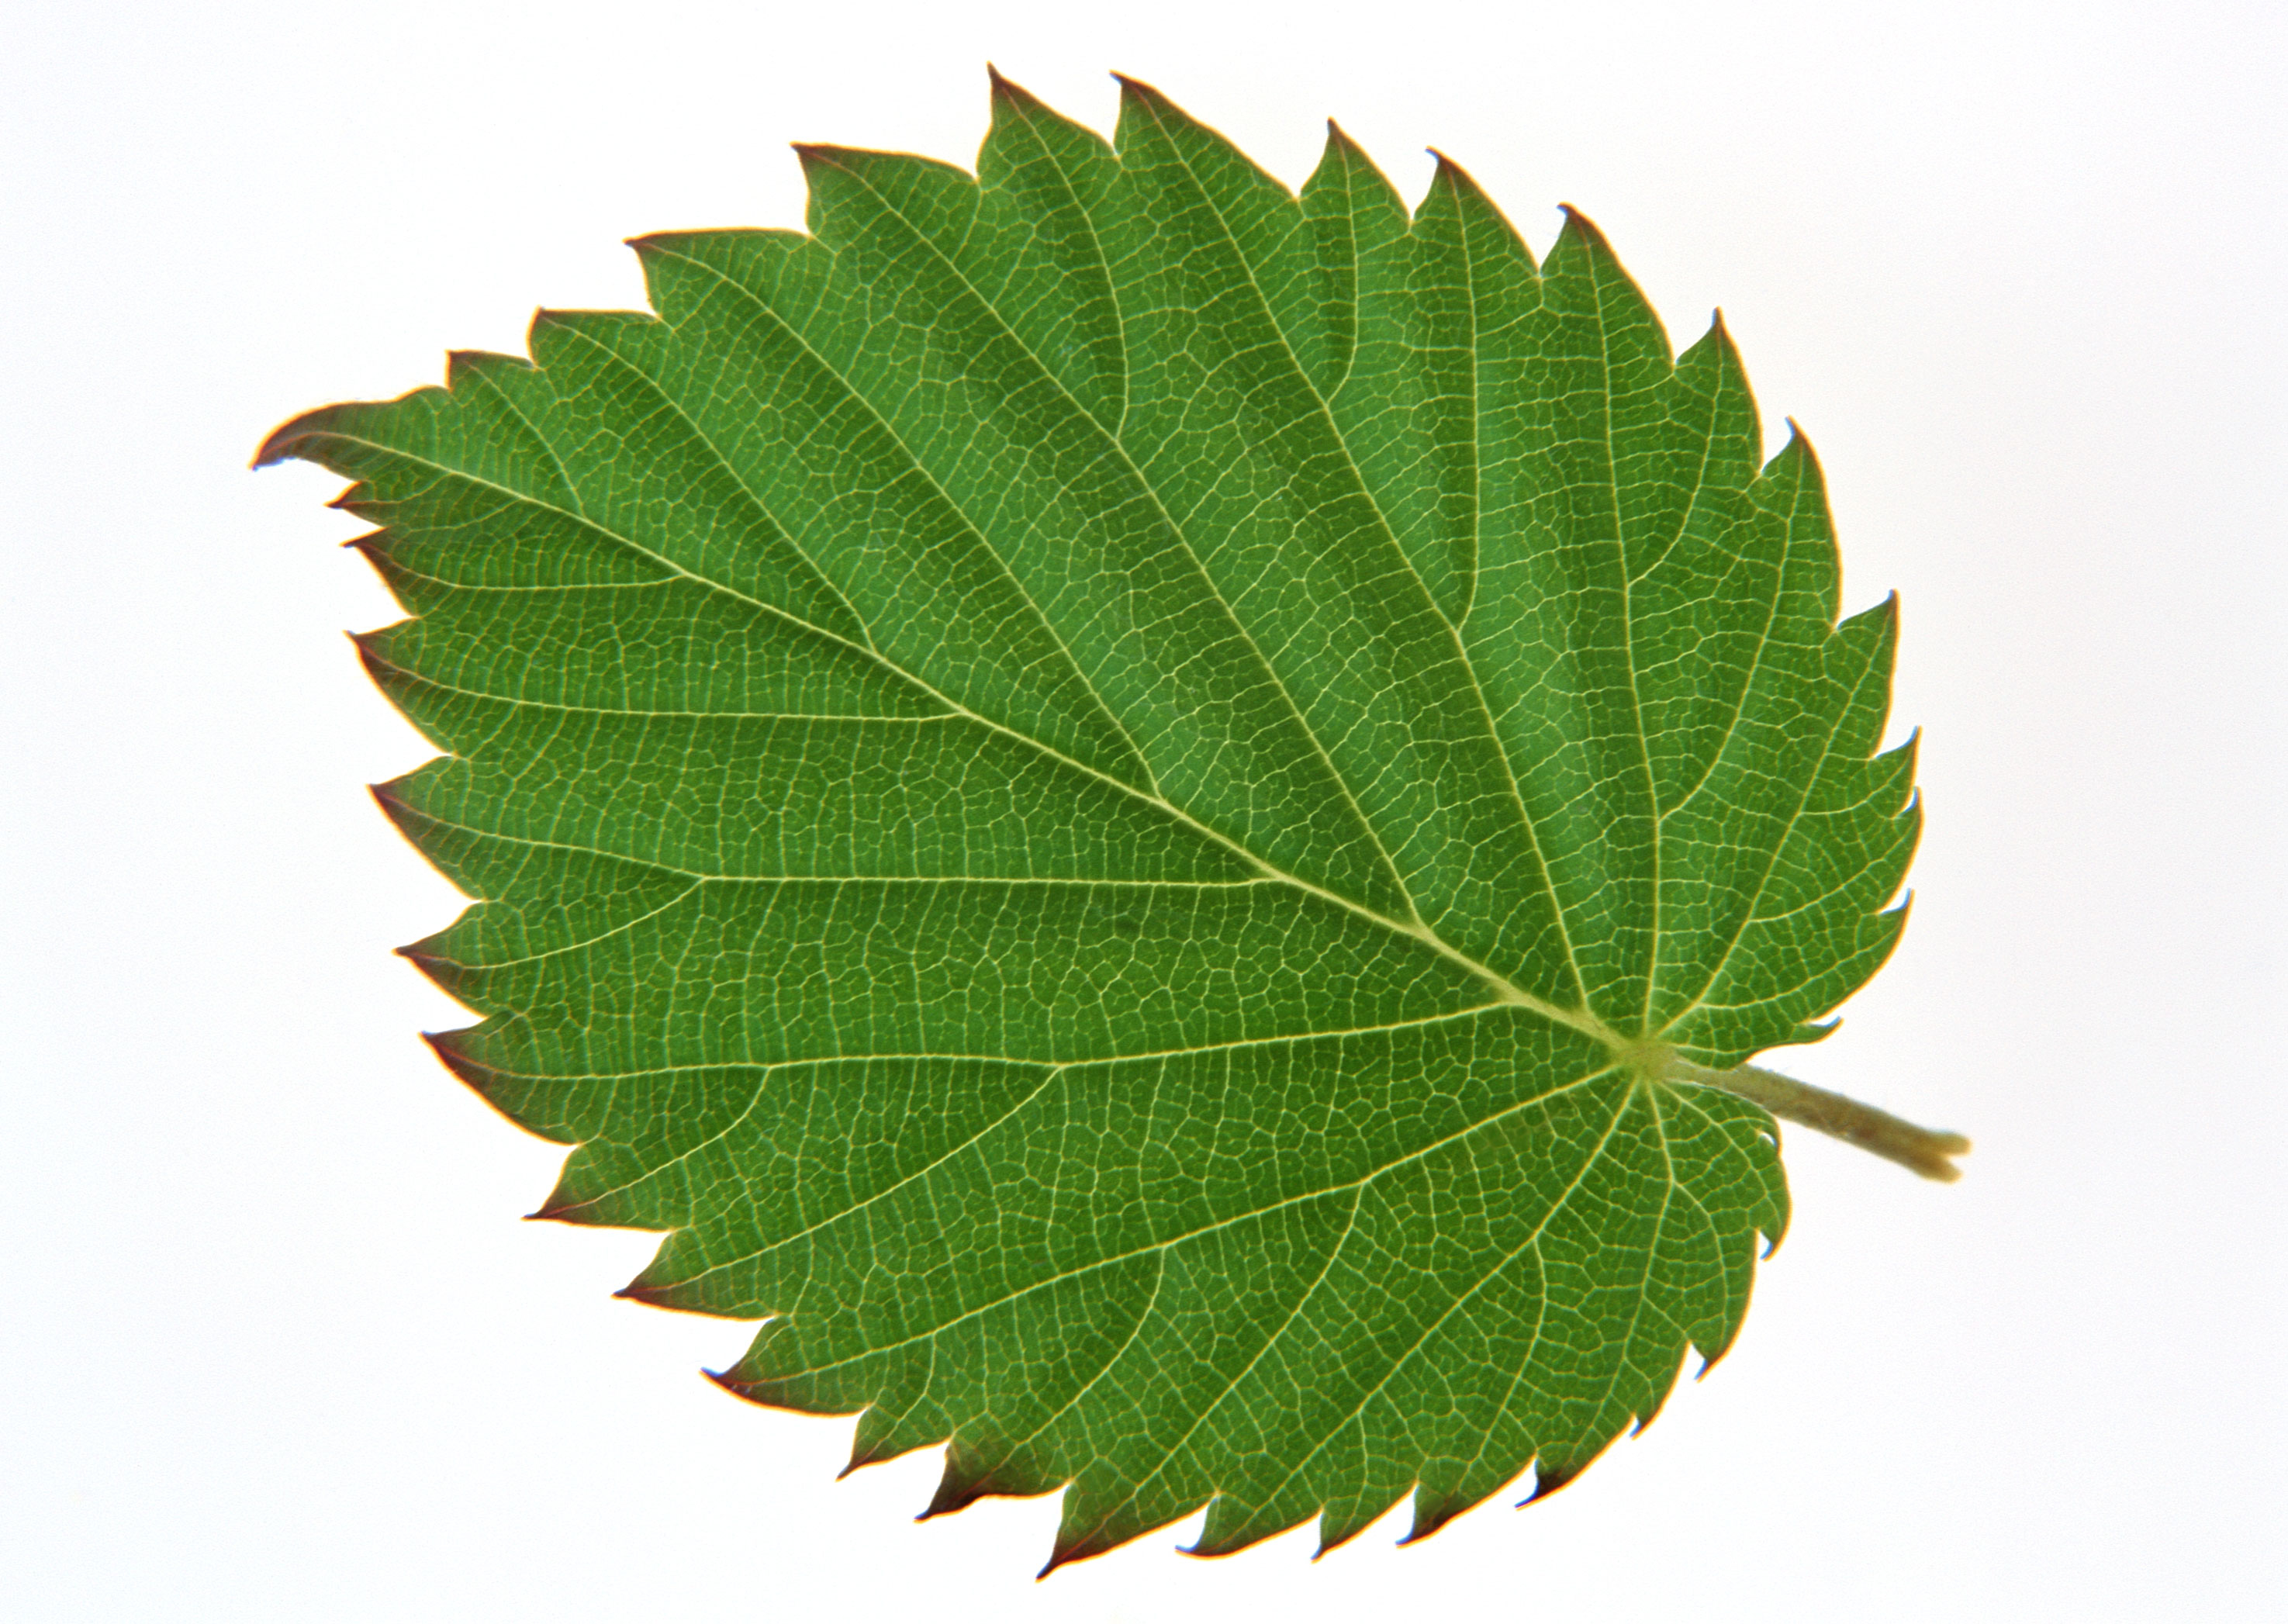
(1920, 1150)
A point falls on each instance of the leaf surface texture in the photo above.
(1089, 783)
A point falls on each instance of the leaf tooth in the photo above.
(458, 1060)
(1080, 1536)
(1548, 1477)
(881, 1436)
(444, 971)
(1145, 95)
(961, 1486)
(1586, 232)
(1433, 1508)
(969, 1477)
(1001, 88)
(490, 1084)
(1477, 210)
(729, 1381)
(287, 441)
(663, 1296)
(1335, 1530)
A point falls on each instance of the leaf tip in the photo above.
(394, 806)
(1450, 173)
(1432, 1514)
(385, 675)
(1007, 96)
(440, 1042)
(1548, 1479)
(475, 1074)
(278, 445)
(957, 1490)
(558, 1208)
(1136, 88)
(1077, 1546)
(1065, 1555)
(1581, 227)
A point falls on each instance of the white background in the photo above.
(275, 1345)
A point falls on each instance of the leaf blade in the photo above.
(1099, 788)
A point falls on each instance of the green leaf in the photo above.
(1147, 814)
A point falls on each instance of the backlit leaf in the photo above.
(1134, 808)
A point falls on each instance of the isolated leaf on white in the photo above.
(1154, 817)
